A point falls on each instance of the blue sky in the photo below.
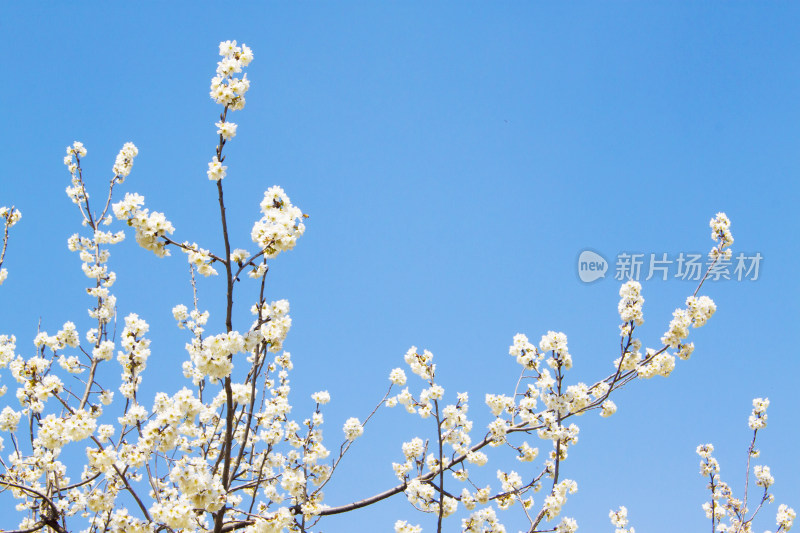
(455, 158)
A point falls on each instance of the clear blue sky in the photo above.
(455, 159)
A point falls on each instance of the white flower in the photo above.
(721, 234)
(9, 419)
(77, 149)
(758, 418)
(226, 89)
(700, 309)
(124, 161)
(609, 408)
(705, 450)
(353, 429)
(401, 526)
(226, 129)
(527, 453)
(630, 303)
(239, 255)
(104, 351)
(150, 227)
(619, 518)
(510, 481)
(321, 397)
(786, 516)
(500, 403)
(567, 525)
(10, 215)
(398, 377)
(278, 230)
(477, 458)
(763, 477)
(180, 313)
(216, 171)
(413, 448)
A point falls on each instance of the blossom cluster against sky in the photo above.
(455, 160)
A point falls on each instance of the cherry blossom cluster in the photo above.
(124, 162)
(556, 344)
(280, 226)
(151, 228)
(556, 500)
(696, 314)
(200, 259)
(758, 418)
(133, 359)
(424, 498)
(353, 429)
(273, 323)
(226, 88)
(630, 303)
(37, 384)
(213, 355)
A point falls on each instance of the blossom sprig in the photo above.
(723, 504)
(721, 234)
(226, 88)
(785, 518)
(38, 385)
(93, 253)
(77, 191)
(133, 359)
(424, 488)
(10, 216)
(124, 162)
(308, 466)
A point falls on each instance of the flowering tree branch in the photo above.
(224, 453)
